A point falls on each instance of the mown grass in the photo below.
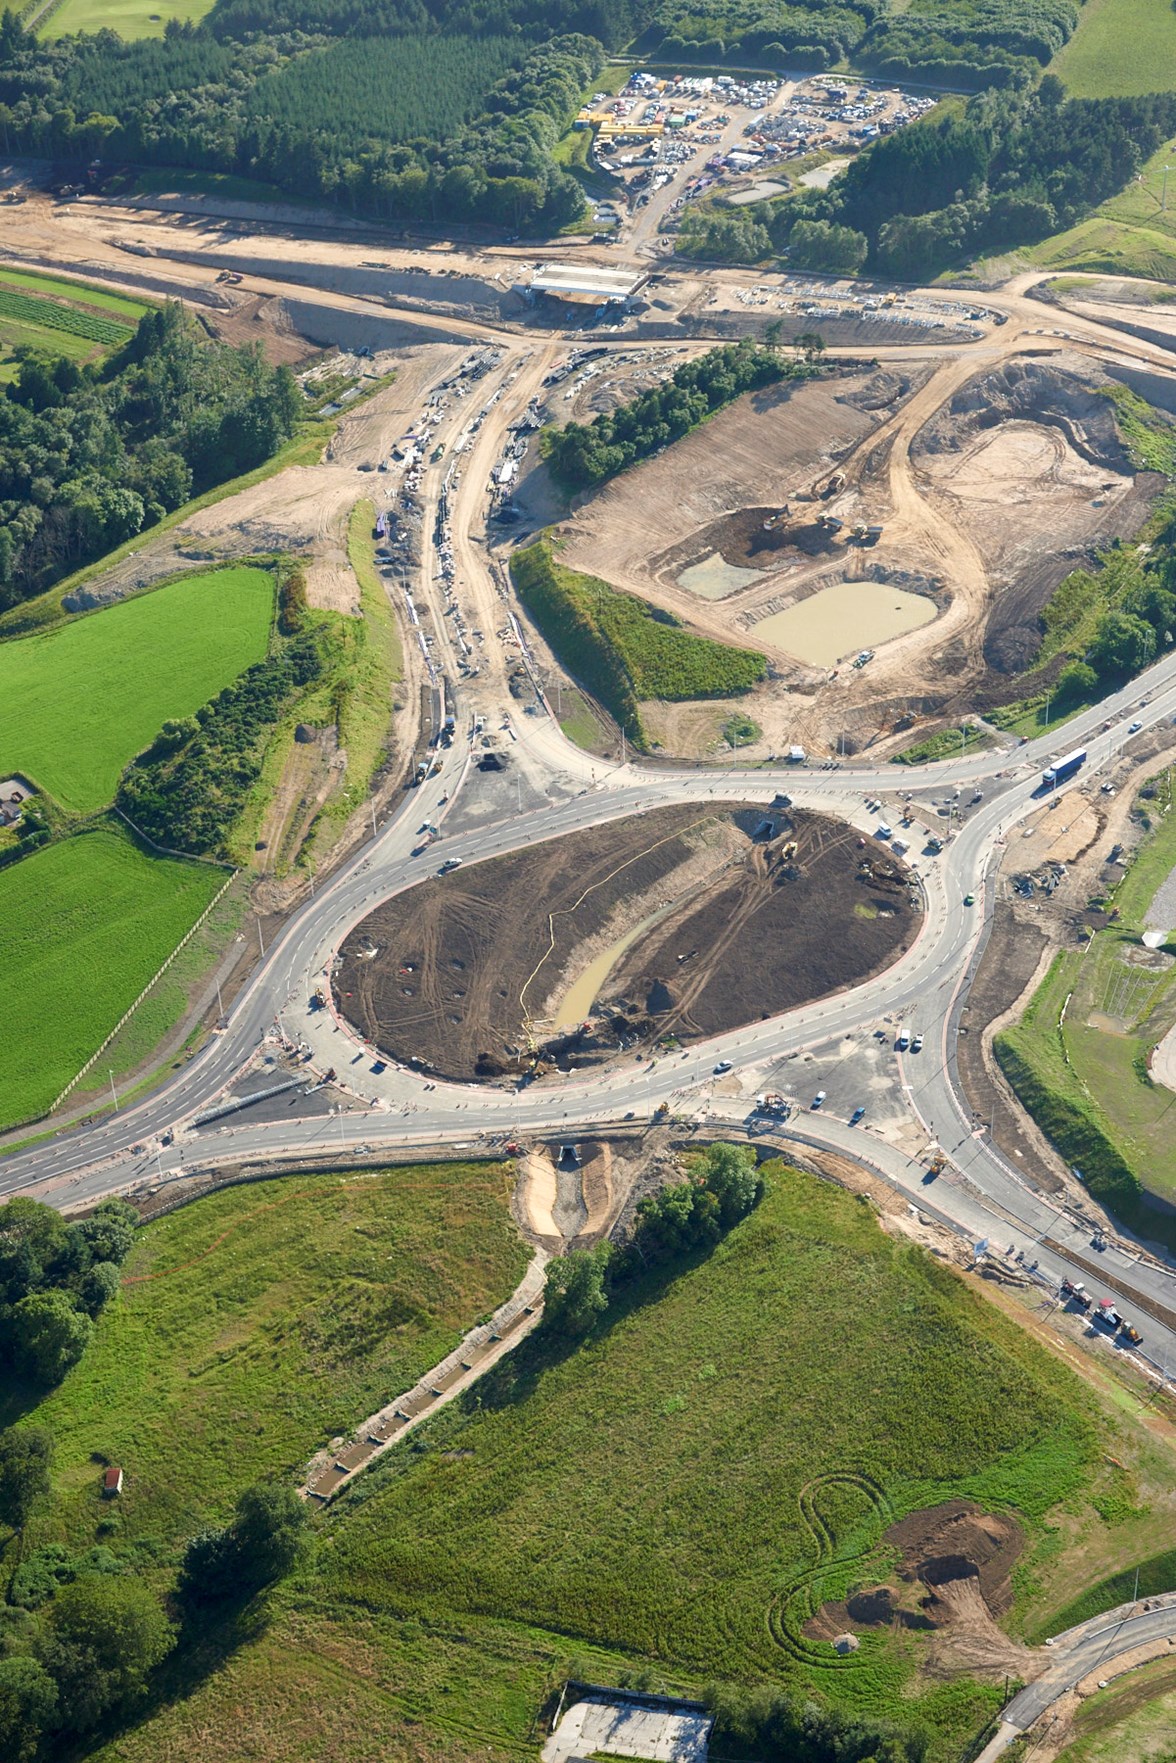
(78, 702)
(256, 1324)
(1121, 48)
(84, 924)
(130, 18)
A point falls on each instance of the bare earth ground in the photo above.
(452, 978)
(989, 486)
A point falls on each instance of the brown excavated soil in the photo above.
(953, 1578)
(464, 974)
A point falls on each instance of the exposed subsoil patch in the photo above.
(953, 1578)
(465, 975)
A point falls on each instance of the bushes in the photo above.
(775, 1728)
(189, 787)
(618, 648)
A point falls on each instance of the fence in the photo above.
(128, 1013)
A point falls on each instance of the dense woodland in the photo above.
(90, 456)
(413, 125)
(963, 44)
(1011, 167)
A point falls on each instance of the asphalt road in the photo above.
(979, 1193)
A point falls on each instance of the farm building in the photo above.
(112, 1483)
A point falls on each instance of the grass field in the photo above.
(83, 926)
(254, 1325)
(637, 1503)
(130, 18)
(1121, 47)
(32, 316)
(77, 703)
(55, 287)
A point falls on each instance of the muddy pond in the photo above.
(835, 623)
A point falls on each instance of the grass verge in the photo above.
(1078, 1057)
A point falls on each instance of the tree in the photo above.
(730, 1176)
(822, 244)
(260, 1545)
(575, 1295)
(1123, 644)
(110, 1230)
(102, 1638)
(28, 1702)
(1076, 681)
(32, 1239)
(810, 344)
(266, 1531)
(48, 1335)
(24, 1472)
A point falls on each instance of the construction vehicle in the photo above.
(229, 276)
(1076, 1293)
(774, 520)
(831, 487)
(935, 1168)
(1108, 1315)
(661, 1112)
(319, 1001)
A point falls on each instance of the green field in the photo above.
(254, 1325)
(130, 18)
(78, 703)
(656, 1500)
(84, 924)
(55, 287)
(621, 649)
(1121, 47)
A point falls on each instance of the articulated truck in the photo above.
(1061, 769)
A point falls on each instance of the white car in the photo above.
(723, 1065)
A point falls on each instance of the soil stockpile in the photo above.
(756, 911)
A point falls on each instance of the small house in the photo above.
(112, 1483)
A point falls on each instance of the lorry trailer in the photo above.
(1061, 769)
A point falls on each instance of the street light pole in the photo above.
(113, 1096)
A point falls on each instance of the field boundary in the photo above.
(127, 1014)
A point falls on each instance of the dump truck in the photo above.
(1076, 1293)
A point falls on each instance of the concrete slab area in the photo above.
(664, 1734)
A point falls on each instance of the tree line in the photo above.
(92, 455)
(582, 455)
(187, 790)
(55, 1279)
(686, 1218)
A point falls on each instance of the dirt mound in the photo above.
(469, 974)
(953, 1577)
(960, 1541)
